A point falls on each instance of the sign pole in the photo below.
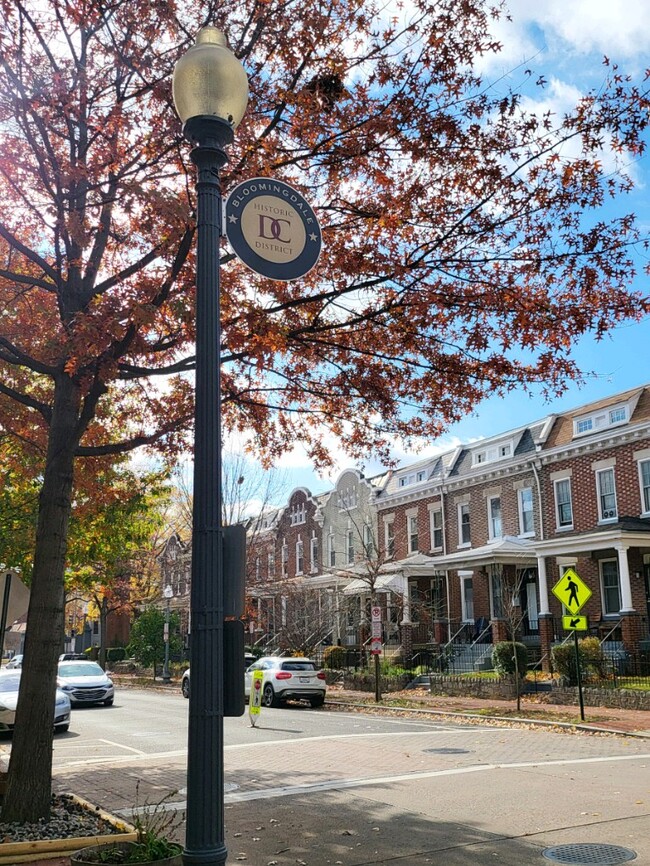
(579, 676)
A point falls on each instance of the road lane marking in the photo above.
(343, 784)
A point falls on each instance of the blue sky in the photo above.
(565, 40)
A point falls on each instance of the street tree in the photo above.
(147, 643)
(465, 247)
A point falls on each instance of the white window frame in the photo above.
(285, 559)
(463, 577)
(313, 553)
(331, 550)
(523, 532)
(562, 526)
(461, 543)
(300, 557)
(411, 535)
(492, 521)
(349, 546)
(601, 420)
(271, 564)
(434, 515)
(389, 538)
(606, 613)
(645, 499)
(603, 514)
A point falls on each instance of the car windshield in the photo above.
(9, 682)
(80, 669)
(298, 666)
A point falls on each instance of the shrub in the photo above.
(592, 660)
(115, 654)
(503, 658)
(334, 657)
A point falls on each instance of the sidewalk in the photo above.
(426, 822)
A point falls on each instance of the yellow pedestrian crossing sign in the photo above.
(572, 591)
(574, 623)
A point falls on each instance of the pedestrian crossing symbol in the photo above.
(572, 591)
(574, 623)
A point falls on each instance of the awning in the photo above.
(383, 583)
(508, 550)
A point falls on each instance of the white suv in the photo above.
(285, 678)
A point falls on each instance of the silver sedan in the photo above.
(9, 685)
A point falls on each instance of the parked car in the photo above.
(14, 663)
(85, 683)
(71, 657)
(9, 685)
(249, 658)
(288, 678)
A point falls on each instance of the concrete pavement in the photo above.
(489, 794)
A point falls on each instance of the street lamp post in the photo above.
(210, 91)
(168, 592)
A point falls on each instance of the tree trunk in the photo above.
(29, 781)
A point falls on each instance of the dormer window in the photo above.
(348, 498)
(413, 478)
(298, 514)
(491, 454)
(601, 420)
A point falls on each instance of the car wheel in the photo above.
(185, 688)
(268, 696)
(61, 729)
(109, 702)
(317, 702)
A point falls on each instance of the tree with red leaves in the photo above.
(465, 248)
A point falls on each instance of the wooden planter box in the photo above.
(27, 852)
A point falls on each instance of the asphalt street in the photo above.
(320, 787)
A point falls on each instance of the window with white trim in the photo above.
(494, 517)
(258, 567)
(331, 550)
(298, 514)
(412, 478)
(644, 477)
(389, 530)
(491, 454)
(413, 533)
(496, 592)
(285, 559)
(436, 529)
(601, 420)
(368, 541)
(300, 557)
(606, 487)
(610, 585)
(271, 564)
(464, 535)
(526, 519)
(563, 503)
(349, 545)
(467, 597)
(314, 553)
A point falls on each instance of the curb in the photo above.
(544, 723)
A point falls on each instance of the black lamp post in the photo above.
(210, 93)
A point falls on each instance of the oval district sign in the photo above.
(272, 229)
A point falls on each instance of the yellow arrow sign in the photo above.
(574, 623)
(572, 591)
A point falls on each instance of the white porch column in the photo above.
(543, 586)
(624, 573)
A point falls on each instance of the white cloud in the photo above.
(618, 28)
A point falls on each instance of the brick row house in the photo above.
(464, 547)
